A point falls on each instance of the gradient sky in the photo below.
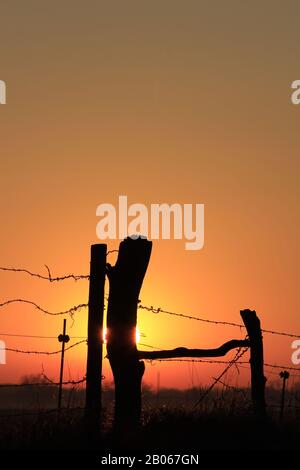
(163, 101)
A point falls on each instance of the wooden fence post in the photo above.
(258, 380)
(95, 334)
(125, 279)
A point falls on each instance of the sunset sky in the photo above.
(162, 101)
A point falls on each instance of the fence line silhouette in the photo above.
(206, 361)
(77, 308)
(156, 310)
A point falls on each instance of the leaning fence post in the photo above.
(125, 282)
(95, 333)
(258, 380)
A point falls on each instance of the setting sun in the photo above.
(137, 335)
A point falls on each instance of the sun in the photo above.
(137, 335)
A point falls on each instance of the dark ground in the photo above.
(222, 421)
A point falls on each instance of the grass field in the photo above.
(222, 421)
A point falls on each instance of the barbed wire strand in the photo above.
(232, 387)
(13, 335)
(141, 306)
(214, 322)
(189, 317)
(240, 352)
(242, 364)
(71, 311)
(205, 361)
(50, 278)
(48, 353)
(275, 366)
(47, 383)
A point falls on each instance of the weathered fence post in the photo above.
(95, 334)
(258, 380)
(125, 279)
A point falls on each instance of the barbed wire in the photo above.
(152, 309)
(212, 361)
(276, 374)
(37, 336)
(242, 364)
(45, 384)
(246, 365)
(205, 361)
(240, 352)
(189, 317)
(71, 311)
(231, 387)
(275, 366)
(50, 278)
(280, 333)
(158, 310)
(48, 353)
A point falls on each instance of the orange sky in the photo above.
(164, 102)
